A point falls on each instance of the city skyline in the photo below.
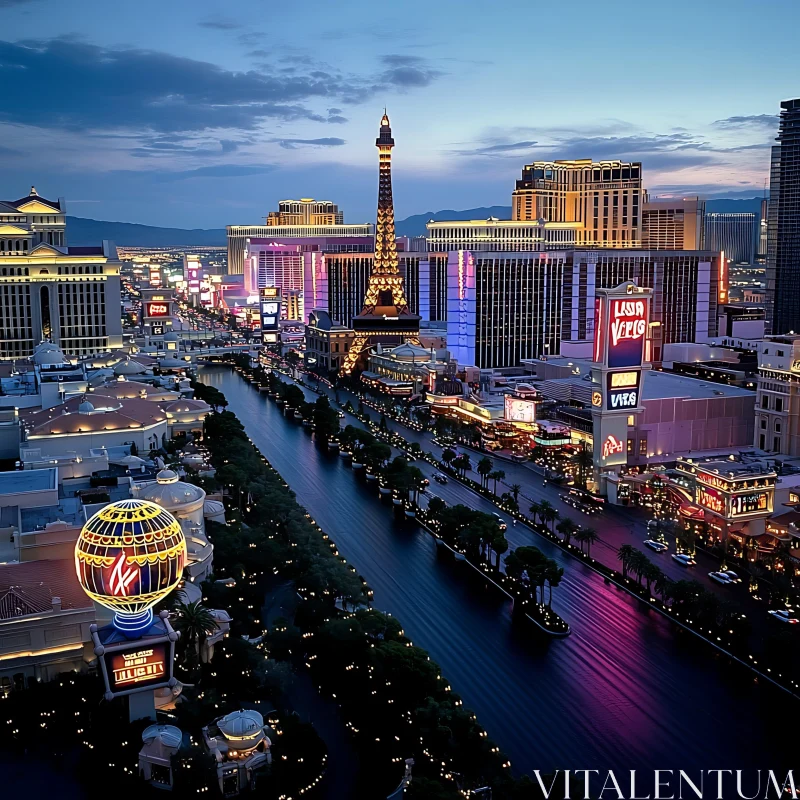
(208, 118)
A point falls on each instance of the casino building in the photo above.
(49, 290)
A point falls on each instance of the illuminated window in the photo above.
(630, 420)
(642, 447)
(630, 445)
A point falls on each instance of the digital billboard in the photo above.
(622, 390)
(156, 309)
(752, 503)
(517, 410)
(627, 329)
(711, 499)
(270, 310)
(138, 668)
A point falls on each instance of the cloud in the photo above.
(217, 171)
(113, 90)
(220, 24)
(397, 60)
(509, 147)
(769, 121)
(328, 141)
(337, 119)
(11, 3)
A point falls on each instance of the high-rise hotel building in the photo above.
(306, 212)
(673, 224)
(504, 307)
(736, 234)
(48, 290)
(605, 197)
(304, 222)
(783, 226)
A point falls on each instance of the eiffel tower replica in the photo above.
(385, 318)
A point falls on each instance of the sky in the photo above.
(201, 114)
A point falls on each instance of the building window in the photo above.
(762, 442)
(765, 401)
(779, 404)
(776, 444)
(642, 447)
(763, 424)
(630, 446)
(777, 427)
(794, 498)
(631, 420)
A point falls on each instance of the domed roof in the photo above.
(179, 406)
(170, 362)
(247, 724)
(85, 407)
(45, 346)
(410, 352)
(128, 367)
(170, 492)
(171, 337)
(214, 510)
(49, 356)
(169, 735)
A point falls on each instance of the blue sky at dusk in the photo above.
(201, 114)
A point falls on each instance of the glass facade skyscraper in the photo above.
(783, 227)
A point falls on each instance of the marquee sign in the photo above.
(627, 327)
(156, 309)
(138, 668)
(622, 390)
(517, 410)
(743, 505)
(711, 499)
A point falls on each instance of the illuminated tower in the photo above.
(385, 317)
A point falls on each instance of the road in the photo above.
(625, 691)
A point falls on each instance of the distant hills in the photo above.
(83, 231)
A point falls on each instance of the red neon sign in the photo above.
(627, 327)
(711, 499)
(157, 310)
(611, 446)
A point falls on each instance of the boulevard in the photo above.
(626, 689)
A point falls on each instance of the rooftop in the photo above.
(29, 480)
(30, 587)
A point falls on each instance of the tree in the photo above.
(663, 586)
(484, 469)
(625, 554)
(535, 508)
(547, 512)
(515, 490)
(435, 506)
(195, 623)
(448, 455)
(583, 462)
(497, 475)
(553, 575)
(637, 563)
(500, 546)
(651, 574)
(567, 528)
(590, 537)
(326, 420)
(462, 464)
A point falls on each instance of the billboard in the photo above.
(627, 329)
(138, 668)
(270, 310)
(752, 503)
(156, 309)
(622, 390)
(517, 410)
(711, 499)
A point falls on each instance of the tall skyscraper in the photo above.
(605, 197)
(672, 224)
(783, 228)
(69, 295)
(306, 212)
(736, 234)
(385, 317)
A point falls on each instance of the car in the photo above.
(720, 577)
(782, 615)
(684, 559)
(439, 478)
(732, 576)
(425, 482)
(659, 547)
(341, 415)
(500, 521)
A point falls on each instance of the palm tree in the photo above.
(497, 475)
(590, 537)
(534, 509)
(553, 575)
(624, 554)
(567, 528)
(583, 461)
(663, 586)
(551, 514)
(580, 537)
(651, 573)
(484, 469)
(638, 563)
(499, 545)
(195, 622)
(515, 490)
(448, 456)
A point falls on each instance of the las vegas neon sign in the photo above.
(628, 320)
(611, 446)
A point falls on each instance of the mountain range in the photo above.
(82, 231)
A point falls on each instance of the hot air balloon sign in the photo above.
(130, 555)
